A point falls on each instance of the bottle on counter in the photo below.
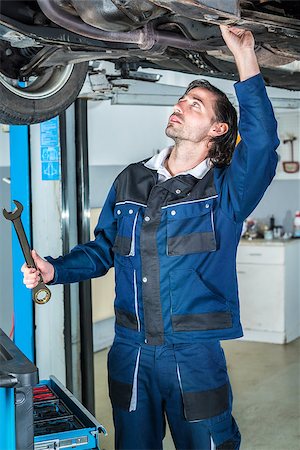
(268, 234)
(269, 230)
(296, 232)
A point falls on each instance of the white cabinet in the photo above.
(268, 276)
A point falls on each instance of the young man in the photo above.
(170, 226)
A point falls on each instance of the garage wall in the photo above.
(4, 146)
(282, 199)
(283, 196)
(101, 178)
(119, 134)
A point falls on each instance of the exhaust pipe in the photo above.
(145, 38)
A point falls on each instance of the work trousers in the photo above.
(185, 384)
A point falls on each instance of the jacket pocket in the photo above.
(123, 366)
(190, 228)
(127, 216)
(194, 306)
(126, 303)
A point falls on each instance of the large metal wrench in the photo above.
(41, 294)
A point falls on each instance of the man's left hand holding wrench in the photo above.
(41, 271)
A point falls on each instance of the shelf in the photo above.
(287, 176)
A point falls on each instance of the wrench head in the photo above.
(13, 215)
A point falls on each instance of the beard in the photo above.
(183, 134)
(171, 133)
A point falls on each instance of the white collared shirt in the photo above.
(157, 163)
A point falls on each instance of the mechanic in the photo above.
(170, 226)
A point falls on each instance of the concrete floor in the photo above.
(265, 380)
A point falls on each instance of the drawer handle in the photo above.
(255, 254)
(241, 271)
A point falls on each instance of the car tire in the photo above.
(19, 107)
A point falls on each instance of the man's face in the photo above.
(193, 116)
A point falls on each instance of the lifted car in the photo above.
(46, 45)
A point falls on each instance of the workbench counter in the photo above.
(271, 243)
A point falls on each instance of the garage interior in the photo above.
(63, 186)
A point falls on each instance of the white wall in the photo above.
(4, 146)
(47, 240)
(119, 134)
(288, 126)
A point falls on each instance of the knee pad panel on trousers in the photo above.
(204, 382)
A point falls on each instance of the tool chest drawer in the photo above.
(260, 254)
(61, 421)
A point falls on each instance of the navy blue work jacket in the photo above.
(173, 244)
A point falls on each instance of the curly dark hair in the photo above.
(223, 146)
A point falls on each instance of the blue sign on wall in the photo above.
(50, 149)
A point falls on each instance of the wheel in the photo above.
(41, 97)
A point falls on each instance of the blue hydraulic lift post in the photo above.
(23, 308)
(20, 190)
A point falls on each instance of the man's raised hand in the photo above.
(241, 44)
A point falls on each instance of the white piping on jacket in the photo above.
(132, 245)
(212, 220)
(136, 300)
(131, 202)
